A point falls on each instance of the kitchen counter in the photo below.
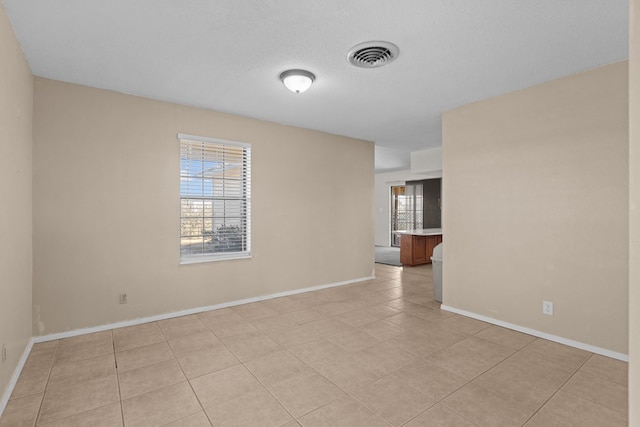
(416, 246)
(421, 232)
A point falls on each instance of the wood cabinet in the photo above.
(417, 249)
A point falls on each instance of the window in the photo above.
(215, 199)
(398, 213)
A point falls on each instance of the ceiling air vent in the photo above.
(372, 54)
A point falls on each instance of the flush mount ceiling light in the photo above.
(372, 54)
(297, 80)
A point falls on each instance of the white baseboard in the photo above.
(133, 322)
(14, 377)
(593, 349)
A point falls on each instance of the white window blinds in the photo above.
(215, 199)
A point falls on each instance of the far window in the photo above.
(215, 199)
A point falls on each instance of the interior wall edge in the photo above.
(15, 376)
(634, 214)
(561, 340)
(16, 201)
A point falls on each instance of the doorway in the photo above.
(415, 205)
(398, 212)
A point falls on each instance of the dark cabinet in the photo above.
(431, 189)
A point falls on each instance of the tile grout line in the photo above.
(558, 389)
(408, 385)
(115, 360)
(469, 382)
(44, 394)
(587, 398)
(445, 406)
(269, 391)
(231, 352)
(285, 348)
(594, 402)
(184, 373)
(439, 402)
(157, 363)
(310, 367)
(85, 411)
(340, 388)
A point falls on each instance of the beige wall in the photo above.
(536, 207)
(16, 106)
(634, 193)
(106, 203)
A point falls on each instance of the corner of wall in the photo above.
(16, 145)
(634, 213)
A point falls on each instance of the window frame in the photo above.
(246, 199)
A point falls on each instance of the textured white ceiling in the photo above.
(227, 55)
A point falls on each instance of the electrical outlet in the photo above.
(547, 308)
(123, 298)
(4, 353)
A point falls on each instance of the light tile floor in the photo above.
(378, 353)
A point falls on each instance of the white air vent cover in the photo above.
(372, 54)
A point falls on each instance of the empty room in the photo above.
(319, 213)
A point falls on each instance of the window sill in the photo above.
(197, 259)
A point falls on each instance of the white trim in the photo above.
(214, 140)
(14, 377)
(220, 256)
(577, 344)
(133, 322)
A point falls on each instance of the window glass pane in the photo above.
(191, 245)
(209, 206)
(215, 181)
